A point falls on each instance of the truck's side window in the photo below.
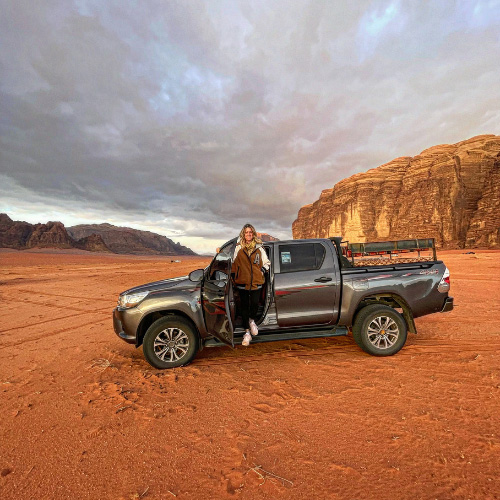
(221, 264)
(301, 257)
(228, 248)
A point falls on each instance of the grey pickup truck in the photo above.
(314, 288)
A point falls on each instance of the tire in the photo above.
(170, 342)
(379, 330)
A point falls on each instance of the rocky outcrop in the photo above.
(484, 228)
(22, 236)
(93, 237)
(266, 237)
(449, 192)
(14, 234)
(125, 240)
(92, 243)
(50, 235)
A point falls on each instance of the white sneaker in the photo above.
(246, 339)
(253, 327)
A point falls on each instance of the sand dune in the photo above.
(84, 415)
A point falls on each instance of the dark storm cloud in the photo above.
(191, 118)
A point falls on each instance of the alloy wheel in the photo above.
(383, 332)
(171, 344)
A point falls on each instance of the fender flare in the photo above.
(152, 316)
(392, 300)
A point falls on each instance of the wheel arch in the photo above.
(392, 300)
(150, 318)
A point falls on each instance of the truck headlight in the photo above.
(131, 299)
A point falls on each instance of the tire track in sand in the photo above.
(5, 345)
(77, 297)
(411, 350)
(31, 325)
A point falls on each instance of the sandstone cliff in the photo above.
(125, 240)
(449, 192)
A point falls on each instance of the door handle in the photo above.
(323, 279)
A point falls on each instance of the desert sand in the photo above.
(84, 416)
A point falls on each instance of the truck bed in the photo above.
(384, 261)
(390, 266)
(385, 253)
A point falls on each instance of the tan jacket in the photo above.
(247, 269)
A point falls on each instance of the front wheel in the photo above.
(170, 342)
(379, 330)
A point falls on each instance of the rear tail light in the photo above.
(444, 284)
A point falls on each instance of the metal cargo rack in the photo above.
(388, 249)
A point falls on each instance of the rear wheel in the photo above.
(170, 342)
(379, 330)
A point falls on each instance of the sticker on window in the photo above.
(286, 258)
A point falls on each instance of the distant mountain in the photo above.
(125, 240)
(22, 235)
(92, 243)
(266, 237)
(92, 237)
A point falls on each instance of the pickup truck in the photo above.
(312, 289)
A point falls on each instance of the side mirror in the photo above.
(196, 275)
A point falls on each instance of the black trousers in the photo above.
(249, 305)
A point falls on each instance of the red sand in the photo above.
(84, 416)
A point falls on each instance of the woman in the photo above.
(249, 264)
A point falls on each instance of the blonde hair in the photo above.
(255, 240)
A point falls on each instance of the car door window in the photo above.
(221, 264)
(301, 257)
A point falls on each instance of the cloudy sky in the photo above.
(190, 118)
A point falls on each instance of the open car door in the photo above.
(217, 296)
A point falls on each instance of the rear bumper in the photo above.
(448, 305)
(119, 329)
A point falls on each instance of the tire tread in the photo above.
(360, 325)
(170, 322)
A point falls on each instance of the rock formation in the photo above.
(52, 234)
(14, 234)
(266, 237)
(125, 240)
(93, 237)
(22, 235)
(449, 192)
(92, 243)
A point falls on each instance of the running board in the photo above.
(289, 335)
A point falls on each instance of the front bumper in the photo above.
(123, 324)
(448, 305)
